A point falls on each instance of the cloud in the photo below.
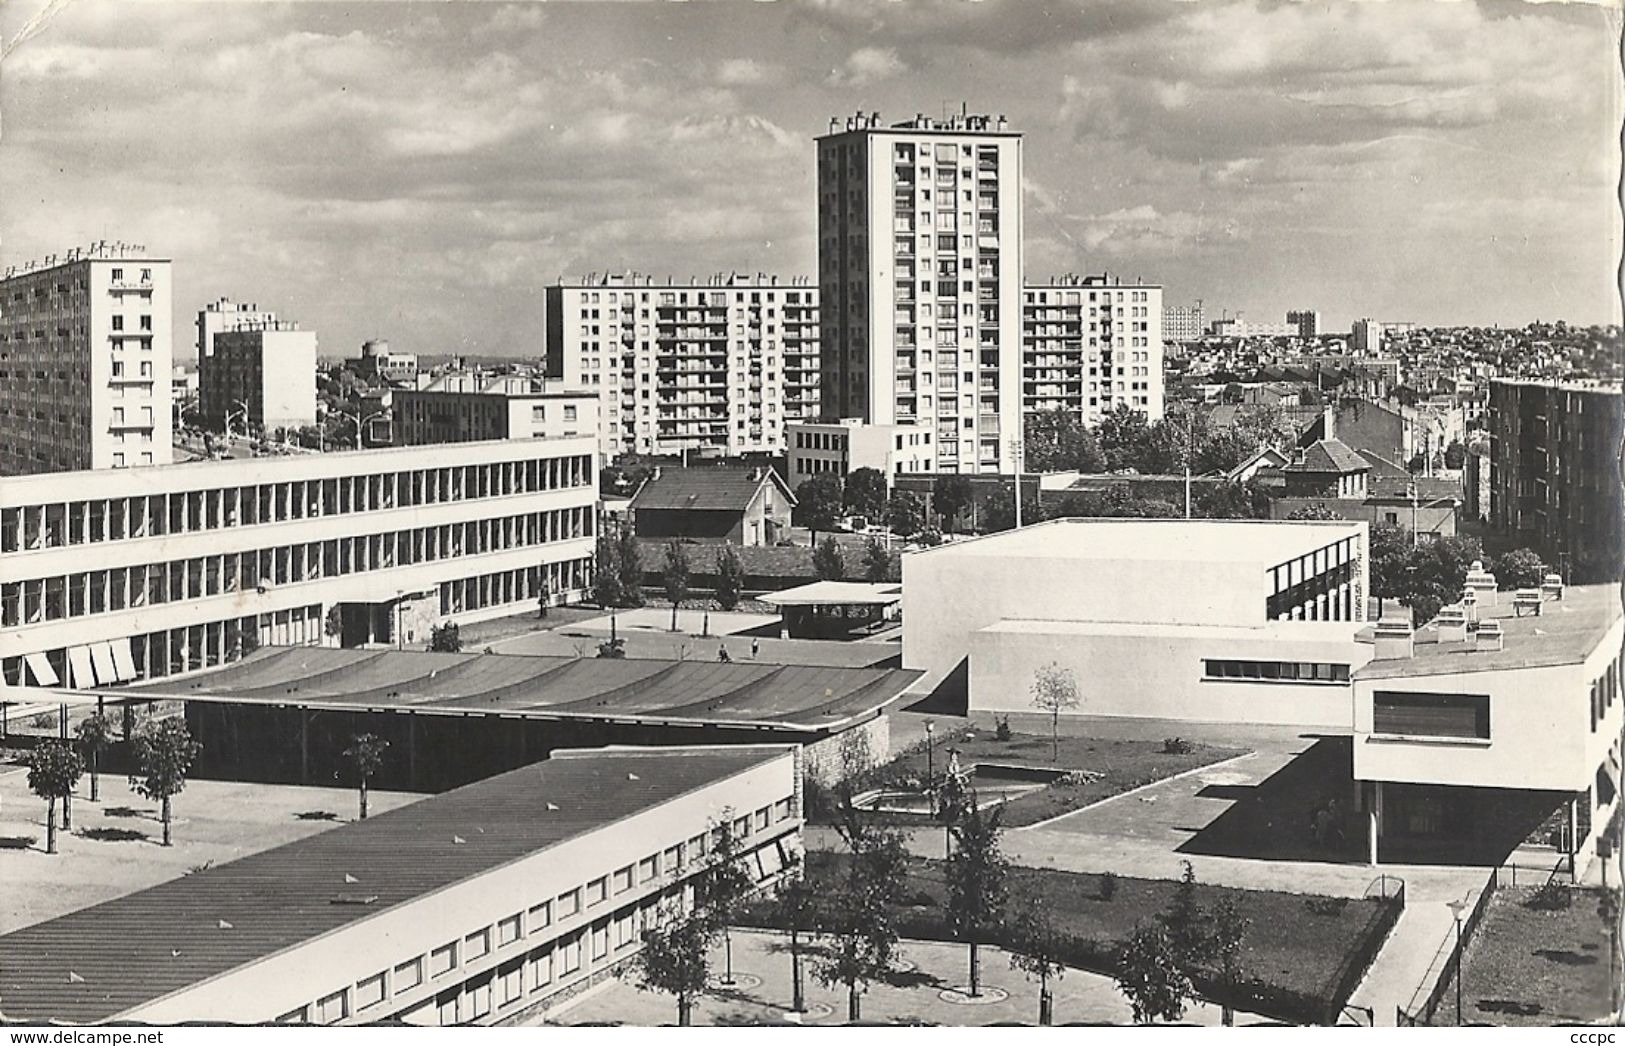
(867, 65)
(744, 72)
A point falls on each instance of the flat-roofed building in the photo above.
(1205, 620)
(259, 370)
(500, 898)
(1484, 731)
(86, 354)
(717, 367)
(464, 408)
(839, 448)
(155, 571)
(1091, 344)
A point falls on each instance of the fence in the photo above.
(1391, 888)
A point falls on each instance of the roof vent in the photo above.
(1551, 587)
(1452, 623)
(1490, 636)
(355, 898)
(1395, 639)
(1482, 582)
(633, 777)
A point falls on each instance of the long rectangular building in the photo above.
(156, 571)
(1090, 345)
(716, 368)
(497, 899)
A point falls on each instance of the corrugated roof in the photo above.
(706, 489)
(794, 697)
(101, 961)
(1329, 455)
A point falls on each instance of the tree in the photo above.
(1037, 949)
(1435, 574)
(446, 638)
(865, 493)
(1185, 921)
(95, 737)
(675, 576)
(53, 771)
(723, 884)
(606, 573)
(818, 504)
(905, 513)
(951, 495)
(730, 576)
(1124, 438)
(876, 561)
(999, 509)
(860, 916)
(977, 883)
(366, 758)
(1520, 568)
(1390, 550)
(1150, 975)
(797, 910)
(1227, 930)
(1312, 511)
(1056, 440)
(1055, 690)
(828, 563)
(674, 960)
(1455, 455)
(629, 566)
(333, 623)
(164, 754)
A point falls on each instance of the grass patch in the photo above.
(1293, 956)
(1534, 963)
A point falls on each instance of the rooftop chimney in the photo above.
(1489, 636)
(1452, 623)
(1483, 583)
(1395, 639)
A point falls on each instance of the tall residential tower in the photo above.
(920, 273)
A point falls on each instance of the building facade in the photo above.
(86, 354)
(839, 448)
(716, 368)
(1183, 322)
(1366, 337)
(920, 273)
(1306, 322)
(152, 573)
(1555, 472)
(379, 365)
(462, 410)
(263, 371)
(1090, 345)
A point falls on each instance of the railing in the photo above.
(1446, 963)
(1391, 890)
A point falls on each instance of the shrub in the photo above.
(1177, 746)
(922, 899)
(1001, 731)
(929, 538)
(1108, 885)
(445, 639)
(1328, 906)
(1552, 896)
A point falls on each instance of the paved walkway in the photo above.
(1416, 952)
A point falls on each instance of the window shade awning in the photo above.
(80, 672)
(40, 668)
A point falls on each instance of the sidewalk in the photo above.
(1415, 953)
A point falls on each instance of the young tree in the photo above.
(730, 577)
(1227, 930)
(1520, 568)
(818, 504)
(861, 917)
(828, 563)
(606, 573)
(675, 575)
(1150, 975)
(951, 495)
(629, 567)
(446, 638)
(797, 908)
(905, 513)
(1055, 690)
(977, 883)
(53, 770)
(1037, 950)
(866, 493)
(95, 737)
(366, 757)
(723, 884)
(164, 754)
(674, 960)
(877, 561)
(1186, 923)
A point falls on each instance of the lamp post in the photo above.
(1456, 907)
(930, 754)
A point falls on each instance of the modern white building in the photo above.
(461, 408)
(1091, 344)
(719, 367)
(259, 369)
(1493, 723)
(1181, 323)
(920, 272)
(158, 571)
(1200, 620)
(86, 354)
(839, 448)
(502, 898)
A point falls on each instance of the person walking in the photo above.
(755, 647)
(722, 652)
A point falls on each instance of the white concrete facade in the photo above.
(168, 570)
(495, 411)
(839, 448)
(86, 354)
(1091, 344)
(266, 367)
(920, 269)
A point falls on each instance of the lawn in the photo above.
(1294, 954)
(1533, 966)
(1123, 765)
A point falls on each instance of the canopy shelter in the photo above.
(836, 609)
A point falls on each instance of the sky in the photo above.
(421, 172)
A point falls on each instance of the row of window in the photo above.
(116, 519)
(1275, 671)
(1431, 715)
(1605, 690)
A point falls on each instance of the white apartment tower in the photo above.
(85, 361)
(717, 368)
(920, 269)
(1091, 344)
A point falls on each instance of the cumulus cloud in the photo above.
(867, 65)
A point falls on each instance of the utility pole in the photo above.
(1017, 449)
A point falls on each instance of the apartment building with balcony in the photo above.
(1555, 472)
(718, 367)
(1182, 323)
(85, 361)
(1091, 344)
(254, 368)
(920, 274)
(152, 572)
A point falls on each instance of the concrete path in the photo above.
(1415, 955)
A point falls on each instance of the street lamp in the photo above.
(930, 754)
(1018, 450)
(361, 421)
(1456, 908)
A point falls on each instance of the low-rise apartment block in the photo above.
(839, 448)
(254, 368)
(462, 408)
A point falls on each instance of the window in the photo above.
(764, 817)
(1431, 715)
(785, 808)
(570, 955)
(600, 941)
(624, 937)
(569, 412)
(540, 916)
(569, 904)
(597, 890)
(1275, 671)
(332, 1008)
(408, 975)
(369, 992)
(623, 879)
(479, 998)
(541, 967)
(648, 869)
(673, 859)
(508, 930)
(443, 959)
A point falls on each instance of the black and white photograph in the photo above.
(827, 513)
